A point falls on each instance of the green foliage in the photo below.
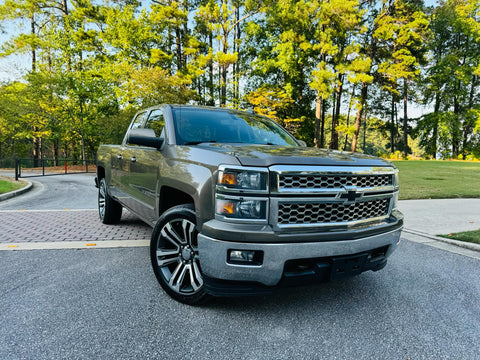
(452, 84)
(8, 185)
(339, 67)
(469, 236)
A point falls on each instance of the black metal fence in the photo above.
(43, 167)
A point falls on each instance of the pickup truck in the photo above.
(240, 207)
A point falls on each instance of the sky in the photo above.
(13, 67)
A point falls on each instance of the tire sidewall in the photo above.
(112, 210)
(182, 211)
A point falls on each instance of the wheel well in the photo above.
(170, 197)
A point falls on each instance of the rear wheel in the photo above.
(109, 210)
(174, 255)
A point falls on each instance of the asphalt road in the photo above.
(106, 303)
(72, 191)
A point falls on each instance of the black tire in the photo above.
(109, 210)
(174, 255)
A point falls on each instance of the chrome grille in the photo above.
(330, 213)
(333, 181)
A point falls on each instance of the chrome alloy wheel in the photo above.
(101, 198)
(177, 256)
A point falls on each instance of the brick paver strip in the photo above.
(67, 225)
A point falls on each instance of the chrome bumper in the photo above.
(213, 255)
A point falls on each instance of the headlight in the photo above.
(396, 186)
(242, 194)
(242, 208)
(242, 179)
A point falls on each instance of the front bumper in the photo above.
(213, 256)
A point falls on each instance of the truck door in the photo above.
(144, 171)
(121, 162)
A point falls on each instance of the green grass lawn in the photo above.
(7, 185)
(430, 179)
(470, 236)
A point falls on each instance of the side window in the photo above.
(137, 123)
(156, 121)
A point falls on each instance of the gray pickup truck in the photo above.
(240, 207)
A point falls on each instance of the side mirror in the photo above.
(302, 143)
(144, 137)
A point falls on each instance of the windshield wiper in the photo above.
(199, 142)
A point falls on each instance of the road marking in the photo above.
(62, 245)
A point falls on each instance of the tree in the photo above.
(402, 33)
(452, 80)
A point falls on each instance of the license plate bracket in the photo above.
(346, 266)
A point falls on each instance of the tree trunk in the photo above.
(169, 46)
(338, 91)
(64, 7)
(211, 101)
(392, 126)
(185, 34)
(469, 123)
(237, 64)
(234, 70)
(348, 118)
(358, 119)
(55, 152)
(36, 139)
(332, 130)
(223, 93)
(224, 67)
(178, 47)
(456, 126)
(318, 115)
(36, 147)
(82, 137)
(435, 125)
(34, 54)
(365, 132)
(322, 128)
(405, 118)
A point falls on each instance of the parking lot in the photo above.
(97, 302)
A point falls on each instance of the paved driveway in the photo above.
(62, 209)
(441, 217)
(106, 303)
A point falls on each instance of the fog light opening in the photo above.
(245, 257)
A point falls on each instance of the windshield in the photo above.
(197, 125)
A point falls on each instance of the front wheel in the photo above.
(174, 255)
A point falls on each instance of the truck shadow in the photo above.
(345, 292)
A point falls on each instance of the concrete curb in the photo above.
(17, 192)
(462, 244)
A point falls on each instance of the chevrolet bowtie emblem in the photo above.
(350, 196)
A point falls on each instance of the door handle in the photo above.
(133, 159)
(119, 156)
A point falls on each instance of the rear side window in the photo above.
(156, 122)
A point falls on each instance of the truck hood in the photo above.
(268, 155)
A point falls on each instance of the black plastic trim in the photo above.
(302, 272)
